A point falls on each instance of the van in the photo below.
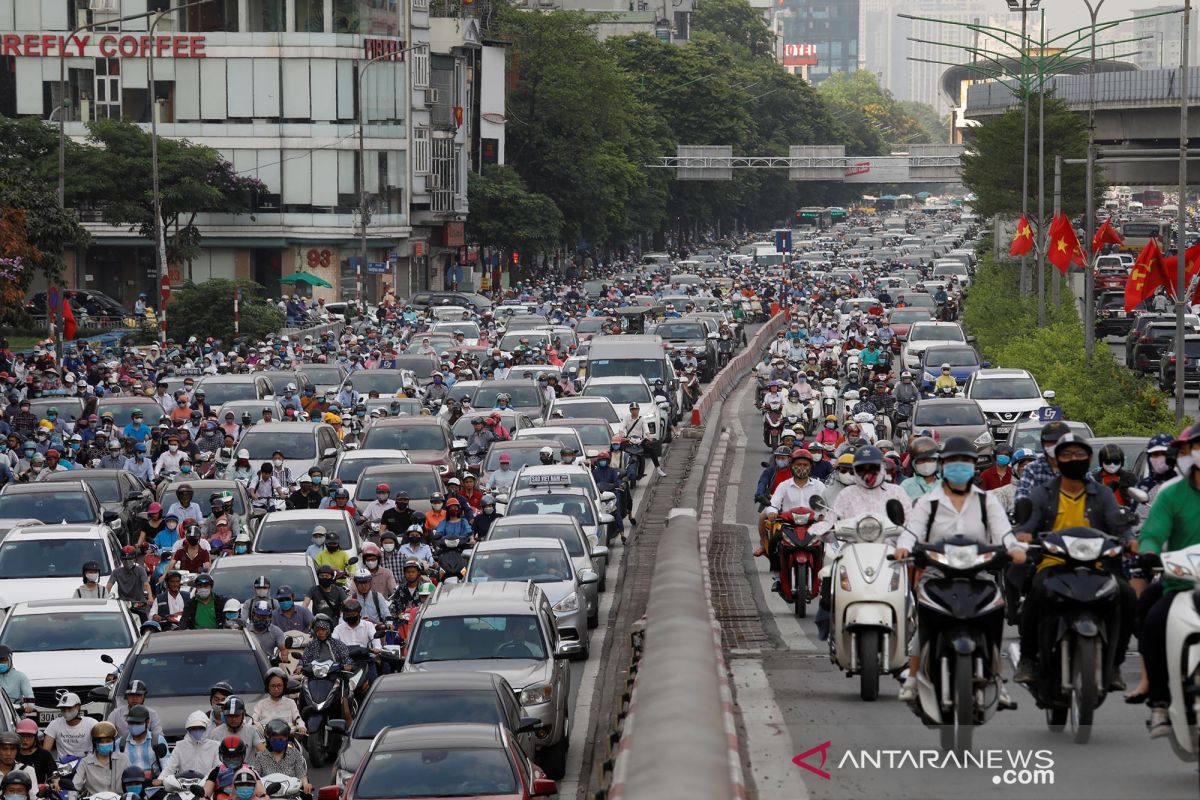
(635, 354)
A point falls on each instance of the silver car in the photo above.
(583, 549)
(576, 503)
(546, 563)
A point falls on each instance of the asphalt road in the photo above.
(791, 699)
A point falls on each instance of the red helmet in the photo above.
(801, 452)
(604, 454)
(232, 747)
(1190, 434)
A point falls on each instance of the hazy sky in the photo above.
(1064, 15)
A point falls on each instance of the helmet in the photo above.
(782, 451)
(106, 730)
(958, 446)
(1189, 434)
(274, 672)
(138, 713)
(371, 549)
(1160, 443)
(921, 446)
(233, 706)
(362, 574)
(1076, 439)
(351, 606)
(1023, 454)
(262, 582)
(232, 606)
(276, 728)
(224, 687)
(17, 777)
(322, 621)
(136, 687)
(1112, 454)
(800, 453)
(245, 776)
(232, 747)
(1053, 431)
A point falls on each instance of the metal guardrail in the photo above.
(1138, 88)
(315, 331)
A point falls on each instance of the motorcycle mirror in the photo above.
(895, 511)
(817, 503)
(292, 687)
(107, 659)
(338, 725)
(1022, 511)
(352, 561)
(160, 750)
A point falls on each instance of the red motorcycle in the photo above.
(800, 555)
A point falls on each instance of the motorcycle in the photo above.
(800, 556)
(829, 397)
(327, 693)
(1075, 653)
(869, 621)
(772, 427)
(866, 422)
(1183, 653)
(475, 456)
(850, 402)
(280, 785)
(183, 785)
(959, 680)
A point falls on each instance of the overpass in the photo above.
(1135, 110)
(921, 164)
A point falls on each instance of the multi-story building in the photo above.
(1161, 40)
(829, 29)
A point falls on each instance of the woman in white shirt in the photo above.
(275, 705)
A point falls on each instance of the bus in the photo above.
(836, 214)
(1150, 198)
(1137, 232)
(813, 217)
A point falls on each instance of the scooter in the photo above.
(1075, 653)
(1183, 653)
(181, 786)
(800, 556)
(772, 427)
(829, 397)
(869, 608)
(959, 679)
(850, 402)
(866, 422)
(327, 693)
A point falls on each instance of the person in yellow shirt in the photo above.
(334, 556)
(945, 380)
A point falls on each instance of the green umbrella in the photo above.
(308, 278)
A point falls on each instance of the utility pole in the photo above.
(1089, 278)
(1041, 266)
(1181, 298)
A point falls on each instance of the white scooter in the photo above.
(869, 620)
(1183, 653)
(829, 397)
(866, 422)
(850, 401)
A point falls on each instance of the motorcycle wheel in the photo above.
(868, 664)
(1084, 694)
(964, 701)
(316, 753)
(800, 588)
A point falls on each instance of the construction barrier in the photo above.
(737, 367)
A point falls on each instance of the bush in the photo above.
(1106, 395)
(206, 309)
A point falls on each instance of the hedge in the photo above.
(1104, 393)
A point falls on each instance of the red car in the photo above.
(902, 319)
(1110, 277)
(443, 760)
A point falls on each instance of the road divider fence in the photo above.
(739, 366)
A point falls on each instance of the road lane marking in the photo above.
(767, 739)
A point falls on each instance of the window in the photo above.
(265, 15)
(214, 16)
(108, 88)
(422, 154)
(310, 16)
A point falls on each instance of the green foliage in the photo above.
(992, 164)
(937, 128)
(875, 121)
(507, 215)
(1103, 393)
(206, 309)
(736, 21)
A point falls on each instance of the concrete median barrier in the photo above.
(739, 365)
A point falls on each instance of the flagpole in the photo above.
(1182, 296)
(1041, 267)
(1089, 281)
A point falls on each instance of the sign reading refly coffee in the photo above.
(106, 45)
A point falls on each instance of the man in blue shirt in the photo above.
(137, 429)
(14, 682)
(139, 465)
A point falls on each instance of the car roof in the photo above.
(598, 381)
(535, 519)
(70, 604)
(416, 681)
(263, 559)
(314, 514)
(396, 422)
(438, 735)
(42, 486)
(1001, 372)
(230, 379)
(481, 599)
(194, 641)
(56, 532)
(279, 426)
(520, 543)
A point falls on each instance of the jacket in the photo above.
(1100, 508)
(188, 620)
(163, 610)
(91, 776)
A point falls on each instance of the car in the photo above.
(1143, 321)
(204, 488)
(623, 390)
(351, 463)
(1111, 317)
(221, 389)
(44, 562)
(469, 330)
(1110, 273)
(1006, 396)
(419, 480)
(636, 355)
(252, 407)
(546, 563)
(524, 396)
(384, 382)
(523, 453)
(565, 437)
(122, 409)
(595, 433)
(691, 337)
(58, 645)
(1191, 364)
(586, 551)
(304, 445)
(63, 501)
(291, 531)
(401, 700)
(586, 407)
(956, 416)
(1028, 434)
(450, 298)
(68, 408)
(118, 492)
(924, 334)
(553, 498)
(323, 377)
(443, 760)
(280, 378)
(178, 667)
(575, 475)
(99, 307)
(592, 326)
(513, 421)
(963, 361)
(427, 440)
(509, 629)
(1151, 345)
(233, 576)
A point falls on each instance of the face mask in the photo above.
(351, 621)
(316, 480)
(868, 480)
(197, 734)
(1111, 469)
(260, 625)
(1003, 460)
(381, 497)
(331, 546)
(93, 577)
(105, 749)
(325, 581)
(958, 473)
(1074, 470)
(278, 745)
(1184, 464)
(244, 792)
(29, 453)
(71, 715)
(802, 472)
(389, 547)
(286, 605)
(436, 506)
(136, 730)
(830, 425)
(278, 462)
(1158, 463)
(15, 797)
(371, 563)
(4, 668)
(1048, 449)
(185, 468)
(845, 478)
(262, 592)
(925, 468)
(781, 463)
(231, 615)
(318, 540)
(602, 463)
(241, 549)
(204, 593)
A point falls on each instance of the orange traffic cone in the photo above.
(695, 417)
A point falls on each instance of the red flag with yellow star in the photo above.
(1022, 242)
(1146, 276)
(1062, 246)
(1105, 234)
(1191, 258)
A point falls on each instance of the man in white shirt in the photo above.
(168, 460)
(382, 503)
(635, 425)
(501, 481)
(796, 492)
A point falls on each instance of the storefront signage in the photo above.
(454, 234)
(382, 48)
(108, 45)
(799, 55)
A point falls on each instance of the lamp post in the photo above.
(363, 213)
(1089, 279)
(1181, 298)
(1024, 6)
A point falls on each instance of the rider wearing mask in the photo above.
(501, 481)
(383, 580)
(306, 496)
(334, 556)
(415, 547)
(326, 597)
(91, 588)
(323, 647)
(168, 460)
(135, 696)
(481, 526)
(1000, 473)
(400, 516)
(70, 734)
(408, 595)
(289, 616)
(1044, 468)
(454, 525)
(195, 752)
(144, 747)
(1160, 453)
(382, 503)
(1112, 473)
(193, 554)
(262, 628)
(371, 604)
(233, 714)
(798, 492)
(923, 456)
(282, 756)
(869, 491)
(945, 381)
(829, 434)
(103, 769)
(203, 610)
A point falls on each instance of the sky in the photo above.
(1065, 15)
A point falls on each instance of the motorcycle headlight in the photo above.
(1082, 549)
(568, 603)
(961, 556)
(320, 671)
(536, 694)
(869, 529)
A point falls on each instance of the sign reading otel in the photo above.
(108, 45)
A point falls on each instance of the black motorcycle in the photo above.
(328, 693)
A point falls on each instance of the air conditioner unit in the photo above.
(433, 182)
(107, 6)
(431, 97)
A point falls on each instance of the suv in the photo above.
(1191, 364)
(925, 334)
(509, 629)
(63, 502)
(1151, 344)
(1006, 396)
(691, 336)
(1111, 317)
(623, 390)
(1144, 321)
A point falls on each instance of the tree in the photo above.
(206, 309)
(872, 114)
(506, 215)
(992, 163)
(736, 21)
(936, 127)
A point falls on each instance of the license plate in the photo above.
(46, 717)
(1120, 315)
(1003, 430)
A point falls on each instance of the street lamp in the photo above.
(363, 213)
(1024, 7)
(1181, 298)
(1089, 280)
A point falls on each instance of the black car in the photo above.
(1140, 323)
(118, 491)
(1149, 346)
(690, 336)
(1191, 364)
(1111, 317)
(464, 299)
(99, 306)
(63, 501)
(178, 667)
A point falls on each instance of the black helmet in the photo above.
(17, 777)
(958, 446)
(232, 747)
(1054, 430)
(233, 706)
(90, 566)
(1112, 454)
(132, 774)
(203, 579)
(138, 713)
(276, 728)
(1075, 439)
(262, 582)
(223, 687)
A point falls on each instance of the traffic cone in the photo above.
(695, 417)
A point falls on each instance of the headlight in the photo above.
(984, 438)
(869, 529)
(538, 693)
(929, 377)
(961, 556)
(321, 671)
(1082, 549)
(568, 603)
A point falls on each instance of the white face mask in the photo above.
(817, 456)
(71, 714)
(389, 547)
(278, 462)
(1111, 469)
(93, 577)
(845, 478)
(174, 448)
(925, 468)
(1184, 464)
(1158, 463)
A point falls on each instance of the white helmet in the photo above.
(243, 453)
(232, 605)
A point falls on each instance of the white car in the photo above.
(469, 330)
(924, 334)
(627, 389)
(1006, 397)
(58, 644)
(566, 436)
(351, 463)
(44, 562)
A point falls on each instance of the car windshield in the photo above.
(571, 505)
(426, 707)
(954, 356)
(940, 414)
(217, 393)
(524, 395)
(191, 673)
(469, 329)
(419, 484)
(294, 535)
(592, 325)
(68, 407)
(350, 469)
(576, 409)
(474, 638)
(68, 630)
(537, 564)
(521, 456)
(621, 394)
(122, 412)
(440, 772)
(405, 437)
(681, 330)
(937, 333)
(421, 366)
(237, 581)
(1005, 389)
(383, 381)
(107, 490)
(263, 441)
(322, 375)
(65, 506)
(203, 493)
(50, 558)
(907, 316)
(594, 434)
(649, 368)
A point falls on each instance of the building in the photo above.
(279, 88)
(1162, 38)
(831, 27)
(669, 20)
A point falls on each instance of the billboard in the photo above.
(799, 55)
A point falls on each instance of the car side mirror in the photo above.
(542, 787)
(600, 551)
(987, 364)
(587, 576)
(528, 724)
(100, 694)
(607, 497)
(135, 496)
(566, 649)
(330, 452)
(466, 554)
(606, 519)
(895, 511)
(970, 340)
(338, 725)
(111, 516)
